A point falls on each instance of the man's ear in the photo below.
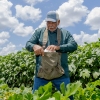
(58, 22)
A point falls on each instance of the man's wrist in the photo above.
(34, 46)
(57, 47)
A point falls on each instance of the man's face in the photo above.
(52, 26)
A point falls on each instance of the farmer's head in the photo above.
(52, 20)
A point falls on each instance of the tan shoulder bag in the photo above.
(51, 61)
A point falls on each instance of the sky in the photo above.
(19, 19)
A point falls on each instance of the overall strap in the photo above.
(58, 35)
(45, 37)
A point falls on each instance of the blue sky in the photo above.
(19, 19)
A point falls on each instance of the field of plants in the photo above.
(17, 74)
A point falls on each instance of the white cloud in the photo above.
(28, 13)
(4, 37)
(43, 24)
(21, 30)
(6, 19)
(33, 2)
(8, 49)
(99, 32)
(84, 37)
(3, 41)
(93, 18)
(71, 12)
(20, 45)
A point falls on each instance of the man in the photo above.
(67, 44)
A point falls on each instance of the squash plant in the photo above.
(43, 93)
(90, 92)
(84, 63)
(18, 68)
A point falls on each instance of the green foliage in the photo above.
(84, 63)
(43, 93)
(18, 69)
(91, 92)
(69, 90)
(7, 93)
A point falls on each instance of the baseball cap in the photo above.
(52, 16)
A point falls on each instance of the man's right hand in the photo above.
(38, 50)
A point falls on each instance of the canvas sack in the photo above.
(50, 67)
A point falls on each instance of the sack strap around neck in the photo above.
(45, 37)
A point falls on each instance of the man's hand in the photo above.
(38, 50)
(52, 48)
